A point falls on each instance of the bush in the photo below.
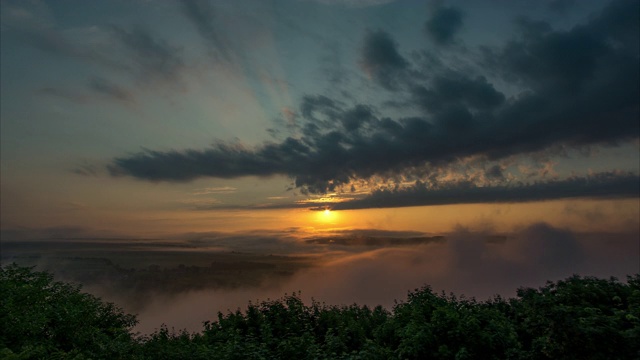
(40, 317)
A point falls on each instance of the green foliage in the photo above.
(43, 318)
(440, 327)
(577, 318)
(288, 328)
(585, 318)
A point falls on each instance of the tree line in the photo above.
(575, 318)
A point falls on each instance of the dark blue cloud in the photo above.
(381, 60)
(578, 87)
(454, 88)
(443, 24)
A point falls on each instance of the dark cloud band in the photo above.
(602, 185)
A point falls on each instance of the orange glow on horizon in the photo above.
(570, 214)
(326, 217)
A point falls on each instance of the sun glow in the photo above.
(326, 216)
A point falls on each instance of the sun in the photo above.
(326, 216)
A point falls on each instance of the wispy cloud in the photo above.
(354, 3)
(277, 197)
(110, 90)
(87, 169)
(64, 94)
(215, 190)
(202, 15)
(133, 54)
(149, 57)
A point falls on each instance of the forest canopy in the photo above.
(579, 317)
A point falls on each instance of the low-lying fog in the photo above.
(184, 280)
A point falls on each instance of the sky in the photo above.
(165, 119)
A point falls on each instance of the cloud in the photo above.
(443, 24)
(86, 169)
(33, 24)
(64, 94)
(203, 17)
(575, 88)
(215, 190)
(561, 6)
(104, 49)
(48, 41)
(373, 242)
(455, 89)
(355, 3)
(151, 58)
(495, 172)
(222, 160)
(111, 90)
(98, 85)
(601, 185)
(381, 60)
